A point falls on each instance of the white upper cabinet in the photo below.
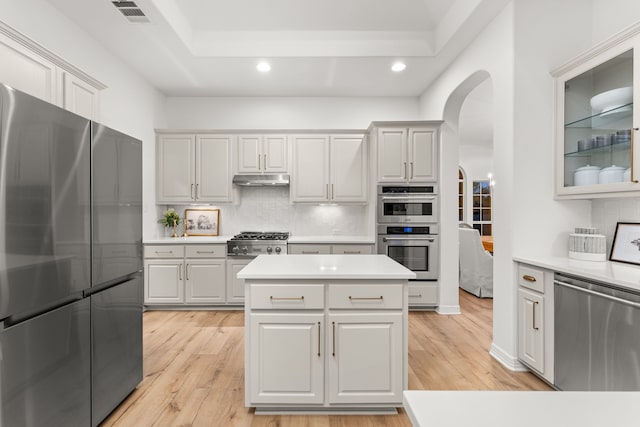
(262, 153)
(407, 154)
(596, 122)
(30, 68)
(329, 168)
(193, 168)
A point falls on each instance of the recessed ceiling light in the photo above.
(398, 66)
(264, 67)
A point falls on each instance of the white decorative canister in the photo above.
(587, 245)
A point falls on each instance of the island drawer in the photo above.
(532, 278)
(164, 251)
(287, 297)
(352, 249)
(365, 296)
(206, 251)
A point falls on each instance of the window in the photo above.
(482, 207)
(460, 195)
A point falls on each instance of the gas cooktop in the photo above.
(261, 235)
(250, 244)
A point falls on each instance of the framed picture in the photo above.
(626, 243)
(201, 222)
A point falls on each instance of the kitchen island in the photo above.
(325, 333)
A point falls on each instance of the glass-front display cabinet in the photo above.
(596, 122)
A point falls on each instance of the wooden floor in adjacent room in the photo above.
(194, 368)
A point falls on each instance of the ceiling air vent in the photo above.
(131, 11)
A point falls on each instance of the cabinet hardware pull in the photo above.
(272, 298)
(351, 252)
(180, 271)
(206, 252)
(333, 192)
(197, 188)
(259, 168)
(164, 252)
(411, 170)
(415, 296)
(333, 326)
(365, 298)
(327, 191)
(186, 271)
(310, 252)
(191, 193)
(529, 278)
(264, 164)
(535, 303)
(318, 339)
(633, 131)
(405, 170)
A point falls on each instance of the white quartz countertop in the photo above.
(186, 240)
(522, 408)
(351, 267)
(615, 273)
(332, 239)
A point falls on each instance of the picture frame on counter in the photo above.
(201, 222)
(626, 243)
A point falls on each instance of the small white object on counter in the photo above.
(615, 273)
(325, 267)
(522, 408)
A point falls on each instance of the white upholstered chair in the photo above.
(476, 264)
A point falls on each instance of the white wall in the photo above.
(518, 55)
(287, 112)
(129, 104)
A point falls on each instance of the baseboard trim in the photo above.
(448, 309)
(507, 360)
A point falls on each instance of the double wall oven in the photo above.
(408, 227)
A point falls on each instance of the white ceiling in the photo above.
(315, 48)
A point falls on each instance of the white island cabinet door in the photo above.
(286, 358)
(365, 358)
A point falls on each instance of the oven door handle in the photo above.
(400, 198)
(428, 239)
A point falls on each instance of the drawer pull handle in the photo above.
(206, 252)
(311, 252)
(529, 278)
(272, 298)
(366, 298)
(351, 252)
(333, 326)
(318, 339)
(164, 252)
(535, 303)
(415, 296)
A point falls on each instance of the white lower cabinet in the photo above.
(531, 328)
(325, 249)
(331, 345)
(235, 286)
(423, 294)
(185, 274)
(287, 363)
(365, 361)
(205, 281)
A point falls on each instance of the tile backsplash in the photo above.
(269, 209)
(605, 213)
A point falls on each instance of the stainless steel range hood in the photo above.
(273, 180)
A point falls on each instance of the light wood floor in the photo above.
(194, 368)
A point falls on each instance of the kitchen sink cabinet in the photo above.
(329, 168)
(193, 168)
(185, 274)
(407, 154)
(535, 320)
(596, 122)
(262, 154)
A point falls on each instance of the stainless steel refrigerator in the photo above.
(70, 256)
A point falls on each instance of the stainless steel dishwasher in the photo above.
(597, 336)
